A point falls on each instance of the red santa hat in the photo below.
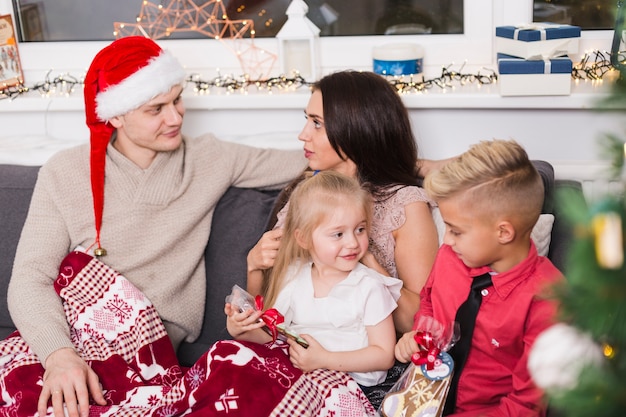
(122, 77)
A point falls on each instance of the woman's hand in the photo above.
(68, 379)
(406, 347)
(260, 258)
(263, 254)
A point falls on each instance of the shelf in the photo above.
(584, 95)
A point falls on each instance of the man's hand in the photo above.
(68, 379)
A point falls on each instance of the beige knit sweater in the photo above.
(156, 224)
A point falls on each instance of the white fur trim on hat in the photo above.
(158, 77)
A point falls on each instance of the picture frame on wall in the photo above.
(11, 73)
(30, 19)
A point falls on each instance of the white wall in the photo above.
(562, 130)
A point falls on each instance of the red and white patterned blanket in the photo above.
(118, 332)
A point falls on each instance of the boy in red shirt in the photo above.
(490, 198)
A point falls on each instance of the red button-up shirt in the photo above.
(495, 380)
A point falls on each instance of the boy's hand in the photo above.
(238, 323)
(406, 347)
(307, 359)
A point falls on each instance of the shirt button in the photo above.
(484, 292)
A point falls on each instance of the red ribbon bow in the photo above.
(428, 355)
(270, 317)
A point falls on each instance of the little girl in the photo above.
(339, 306)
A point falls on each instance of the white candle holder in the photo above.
(298, 43)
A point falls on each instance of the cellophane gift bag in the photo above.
(422, 389)
(274, 321)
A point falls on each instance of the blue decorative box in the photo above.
(522, 77)
(537, 40)
(398, 59)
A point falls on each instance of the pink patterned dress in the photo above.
(387, 216)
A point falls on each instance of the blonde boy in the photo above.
(490, 198)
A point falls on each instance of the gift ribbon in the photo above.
(540, 27)
(547, 66)
(271, 317)
(547, 62)
(555, 53)
(429, 354)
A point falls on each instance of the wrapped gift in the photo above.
(422, 389)
(274, 321)
(523, 77)
(419, 391)
(537, 40)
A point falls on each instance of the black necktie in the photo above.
(466, 317)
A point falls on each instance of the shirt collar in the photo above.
(505, 282)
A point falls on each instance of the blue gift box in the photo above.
(537, 40)
(512, 65)
(522, 77)
(538, 32)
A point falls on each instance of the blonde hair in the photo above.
(313, 201)
(496, 177)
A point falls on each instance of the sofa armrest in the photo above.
(563, 230)
(16, 189)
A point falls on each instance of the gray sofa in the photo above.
(240, 219)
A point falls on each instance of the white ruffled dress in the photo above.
(338, 321)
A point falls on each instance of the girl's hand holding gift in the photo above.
(307, 359)
(240, 322)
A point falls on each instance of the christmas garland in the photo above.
(593, 66)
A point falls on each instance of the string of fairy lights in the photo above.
(593, 66)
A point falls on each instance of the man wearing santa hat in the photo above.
(139, 196)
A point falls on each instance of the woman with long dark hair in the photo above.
(357, 124)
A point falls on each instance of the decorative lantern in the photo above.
(298, 45)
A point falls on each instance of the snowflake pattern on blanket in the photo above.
(115, 328)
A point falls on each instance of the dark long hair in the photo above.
(367, 121)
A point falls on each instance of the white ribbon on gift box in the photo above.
(546, 58)
(555, 53)
(547, 62)
(541, 27)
